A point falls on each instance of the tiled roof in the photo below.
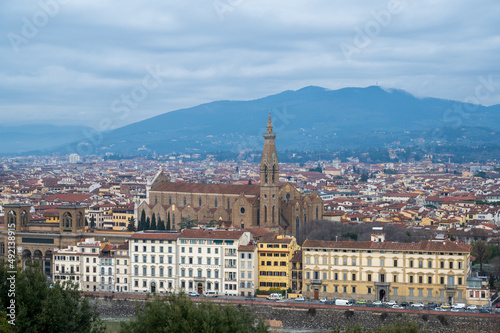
(214, 234)
(156, 235)
(208, 188)
(447, 246)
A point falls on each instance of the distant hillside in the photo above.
(20, 139)
(311, 118)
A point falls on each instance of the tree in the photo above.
(187, 223)
(481, 251)
(131, 224)
(167, 227)
(153, 222)
(147, 225)
(350, 234)
(364, 177)
(41, 307)
(92, 222)
(142, 221)
(161, 224)
(178, 313)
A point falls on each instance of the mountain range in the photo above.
(311, 118)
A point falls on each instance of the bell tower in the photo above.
(269, 180)
(71, 219)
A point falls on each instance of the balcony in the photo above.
(450, 288)
(316, 281)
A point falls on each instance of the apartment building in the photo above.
(154, 262)
(208, 260)
(414, 272)
(67, 263)
(275, 261)
(106, 269)
(89, 250)
(122, 267)
(248, 269)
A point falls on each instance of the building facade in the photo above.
(412, 272)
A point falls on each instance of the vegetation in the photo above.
(482, 252)
(178, 313)
(41, 307)
(187, 223)
(92, 222)
(131, 224)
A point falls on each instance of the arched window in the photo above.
(265, 174)
(156, 199)
(228, 204)
(102, 270)
(317, 213)
(173, 221)
(199, 201)
(184, 201)
(272, 175)
(110, 271)
(265, 213)
(297, 225)
(305, 219)
(215, 202)
(272, 211)
(169, 200)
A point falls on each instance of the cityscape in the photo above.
(250, 166)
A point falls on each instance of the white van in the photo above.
(342, 302)
(211, 294)
(458, 306)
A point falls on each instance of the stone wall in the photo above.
(314, 316)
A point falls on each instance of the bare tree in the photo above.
(481, 251)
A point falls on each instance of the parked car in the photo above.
(395, 306)
(300, 299)
(194, 294)
(445, 306)
(249, 298)
(458, 306)
(361, 301)
(432, 305)
(472, 307)
(404, 304)
(418, 305)
(342, 302)
(323, 300)
(484, 309)
(439, 309)
(391, 303)
(275, 296)
(377, 303)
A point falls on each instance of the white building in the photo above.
(153, 262)
(122, 268)
(89, 250)
(66, 265)
(248, 270)
(106, 269)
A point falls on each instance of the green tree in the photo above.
(147, 225)
(131, 224)
(153, 222)
(167, 227)
(142, 221)
(364, 177)
(41, 307)
(161, 224)
(92, 222)
(481, 251)
(350, 234)
(178, 313)
(187, 223)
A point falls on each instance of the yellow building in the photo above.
(275, 266)
(121, 216)
(413, 272)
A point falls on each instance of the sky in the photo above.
(105, 64)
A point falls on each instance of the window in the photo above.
(382, 262)
(442, 264)
(459, 265)
(369, 262)
(459, 280)
(420, 279)
(411, 263)
(354, 261)
(336, 261)
(308, 260)
(429, 264)
(308, 275)
(336, 289)
(369, 277)
(345, 261)
(441, 280)
(325, 260)
(429, 279)
(395, 278)
(336, 276)
(344, 276)
(344, 289)
(411, 291)
(354, 278)
(353, 290)
(411, 279)
(395, 291)
(451, 264)
(420, 264)
(395, 263)
(144, 271)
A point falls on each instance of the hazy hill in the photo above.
(311, 118)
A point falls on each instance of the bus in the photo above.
(211, 293)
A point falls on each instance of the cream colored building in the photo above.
(413, 272)
(248, 269)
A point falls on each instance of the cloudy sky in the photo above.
(116, 62)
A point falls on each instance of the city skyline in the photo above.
(70, 63)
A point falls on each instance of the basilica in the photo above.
(277, 206)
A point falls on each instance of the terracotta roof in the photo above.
(208, 188)
(247, 247)
(156, 235)
(447, 246)
(297, 257)
(275, 240)
(214, 234)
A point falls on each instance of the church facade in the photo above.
(278, 207)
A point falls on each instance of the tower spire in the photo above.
(269, 124)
